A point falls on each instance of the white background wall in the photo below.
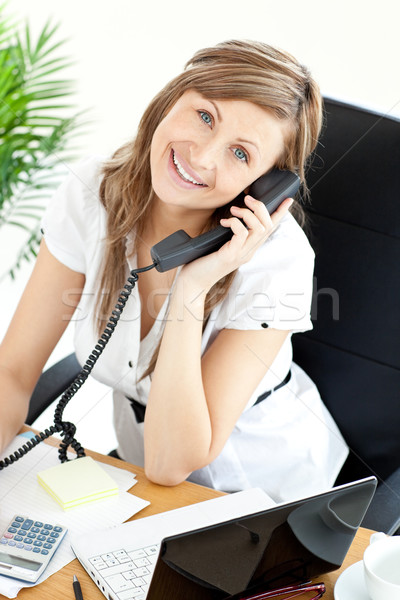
(126, 50)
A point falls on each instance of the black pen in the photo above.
(77, 588)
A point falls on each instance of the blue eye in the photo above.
(240, 154)
(206, 117)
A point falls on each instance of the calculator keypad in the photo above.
(31, 535)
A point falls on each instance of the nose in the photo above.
(205, 155)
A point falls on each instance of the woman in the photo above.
(196, 346)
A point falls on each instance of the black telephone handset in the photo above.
(176, 249)
(179, 248)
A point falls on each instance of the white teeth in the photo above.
(182, 171)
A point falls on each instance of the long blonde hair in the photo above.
(234, 70)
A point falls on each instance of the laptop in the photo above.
(225, 547)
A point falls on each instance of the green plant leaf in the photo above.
(28, 39)
(46, 34)
(62, 63)
(37, 123)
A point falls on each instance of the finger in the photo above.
(246, 241)
(281, 211)
(261, 210)
(258, 208)
(255, 223)
(238, 229)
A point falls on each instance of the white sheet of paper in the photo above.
(20, 492)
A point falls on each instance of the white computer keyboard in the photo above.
(126, 572)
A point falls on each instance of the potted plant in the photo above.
(36, 126)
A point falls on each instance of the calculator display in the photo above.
(17, 561)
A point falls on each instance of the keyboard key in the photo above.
(129, 575)
(118, 583)
(112, 562)
(107, 557)
(124, 559)
(137, 554)
(98, 562)
(122, 556)
(27, 524)
(19, 519)
(38, 524)
(142, 562)
(141, 572)
(118, 568)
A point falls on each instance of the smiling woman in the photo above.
(201, 362)
(214, 148)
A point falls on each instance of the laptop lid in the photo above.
(288, 544)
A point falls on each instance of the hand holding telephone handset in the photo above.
(179, 248)
(175, 250)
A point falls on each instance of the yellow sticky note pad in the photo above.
(77, 482)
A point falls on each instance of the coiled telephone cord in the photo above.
(67, 429)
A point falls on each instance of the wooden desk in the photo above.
(59, 585)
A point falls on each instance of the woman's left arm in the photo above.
(195, 401)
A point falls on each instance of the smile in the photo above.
(183, 174)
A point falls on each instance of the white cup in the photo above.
(382, 567)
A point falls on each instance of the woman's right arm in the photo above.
(42, 315)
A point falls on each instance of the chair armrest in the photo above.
(51, 384)
(383, 513)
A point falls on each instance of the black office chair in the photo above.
(353, 353)
(52, 383)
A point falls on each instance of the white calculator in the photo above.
(27, 546)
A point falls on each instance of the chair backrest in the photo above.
(52, 383)
(353, 353)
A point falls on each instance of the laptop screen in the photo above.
(285, 545)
